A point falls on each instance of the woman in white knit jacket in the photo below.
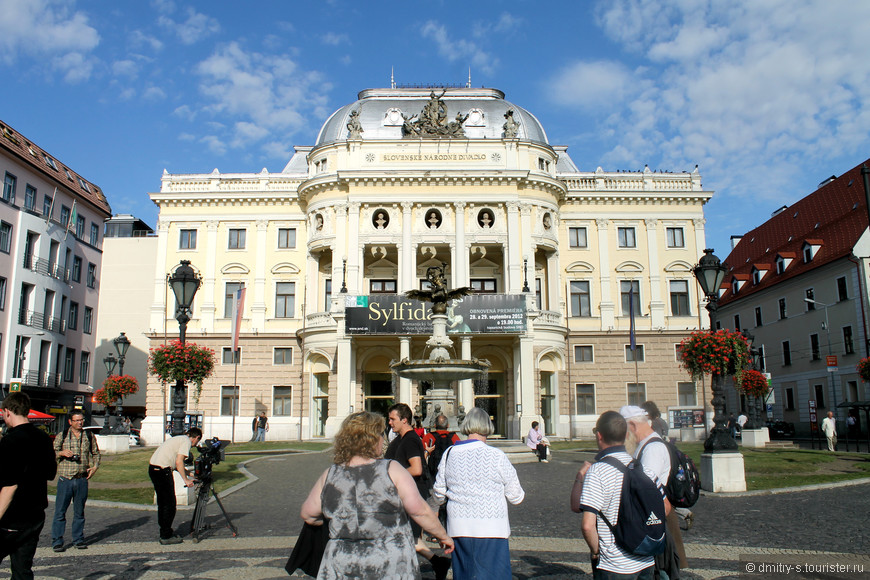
(477, 481)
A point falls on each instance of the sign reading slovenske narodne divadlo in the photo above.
(396, 314)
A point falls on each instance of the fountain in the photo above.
(440, 368)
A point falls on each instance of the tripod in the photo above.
(198, 525)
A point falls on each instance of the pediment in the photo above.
(630, 266)
(580, 267)
(678, 266)
(235, 268)
(285, 269)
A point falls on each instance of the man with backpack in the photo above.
(436, 443)
(78, 457)
(623, 507)
(648, 448)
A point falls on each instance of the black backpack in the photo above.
(640, 525)
(443, 441)
(684, 481)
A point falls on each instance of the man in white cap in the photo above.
(650, 451)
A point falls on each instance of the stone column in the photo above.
(466, 387)
(656, 304)
(311, 276)
(606, 303)
(524, 371)
(513, 251)
(345, 373)
(460, 254)
(700, 246)
(407, 250)
(352, 252)
(404, 394)
(339, 249)
(208, 307)
(258, 304)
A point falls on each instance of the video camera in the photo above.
(211, 452)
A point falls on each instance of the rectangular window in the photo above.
(237, 239)
(92, 275)
(230, 295)
(46, 205)
(72, 322)
(327, 294)
(820, 396)
(539, 294)
(789, 399)
(687, 394)
(2, 293)
(383, 287)
(283, 355)
(634, 355)
(5, 237)
(762, 359)
(484, 285)
(9, 184)
(187, 240)
(736, 322)
(69, 364)
(783, 311)
(577, 237)
(64, 215)
(580, 303)
(786, 353)
(88, 320)
(282, 399)
(286, 238)
(626, 237)
(30, 197)
(80, 227)
(585, 399)
(227, 357)
(629, 288)
(842, 294)
(758, 319)
(230, 401)
(77, 269)
(285, 299)
(85, 368)
(811, 295)
(636, 393)
(815, 354)
(680, 298)
(95, 234)
(848, 345)
(583, 353)
(675, 238)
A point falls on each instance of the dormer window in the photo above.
(735, 286)
(756, 276)
(780, 265)
(783, 261)
(810, 249)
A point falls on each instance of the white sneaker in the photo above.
(544, 461)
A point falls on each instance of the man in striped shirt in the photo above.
(597, 490)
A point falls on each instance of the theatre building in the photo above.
(402, 180)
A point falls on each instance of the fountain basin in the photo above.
(440, 371)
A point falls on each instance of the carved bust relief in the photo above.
(433, 219)
(485, 218)
(380, 219)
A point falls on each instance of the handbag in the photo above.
(309, 548)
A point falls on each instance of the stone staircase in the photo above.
(780, 445)
(516, 451)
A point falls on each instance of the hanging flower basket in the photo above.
(188, 362)
(863, 369)
(116, 387)
(753, 384)
(720, 352)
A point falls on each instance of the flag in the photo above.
(632, 338)
(71, 220)
(238, 309)
(50, 209)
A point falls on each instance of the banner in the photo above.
(396, 314)
(238, 310)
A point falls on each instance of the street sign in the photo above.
(831, 360)
(770, 410)
(812, 403)
(15, 386)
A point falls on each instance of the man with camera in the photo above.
(170, 455)
(78, 457)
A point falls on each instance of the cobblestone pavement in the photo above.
(761, 533)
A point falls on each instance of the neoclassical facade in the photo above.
(400, 180)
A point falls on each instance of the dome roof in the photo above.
(381, 110)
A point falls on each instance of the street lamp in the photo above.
(122, 345)
(526, 275)
(110, 361)
(184, 282)
(343, 276)
(710, 273)
(828, 335)
(754, 403)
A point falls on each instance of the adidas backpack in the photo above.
(442, 442)
(684, 481)
(640, 524)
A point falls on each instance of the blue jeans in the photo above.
(261, 434)
(75, 491)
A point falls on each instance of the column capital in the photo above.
(459, 205)
(699, 223)
(651, 224)
(262, 225)
(602, 223)
(407, 206)
(212, 225)
(525, 208)
(353, 206)
(512, 206)
(341, 209)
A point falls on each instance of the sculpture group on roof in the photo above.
(432, 121)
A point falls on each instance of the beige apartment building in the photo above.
(401, 180)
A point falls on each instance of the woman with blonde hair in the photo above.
(477, 481)
(367, 501)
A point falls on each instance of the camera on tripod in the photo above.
(211, 452)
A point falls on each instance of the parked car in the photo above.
(780, 429)
(134, 437)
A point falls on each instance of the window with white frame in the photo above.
(80, 227)
(282, 355)
(285, 299)
(626, 237)
(230, 400)
(580, 300)
(636, 393)
(286, 238)
(577, 237)
(382, 286)
(227, 357)
(9, 184)
(680, 298)
(237, 239)
(88, 320)
(282, 401)
(583, 353)
(73, 316)
(634, 355)
(627, 290)
(187, 239)
(230, 295)
(687, 394)
(783, 310)
(84, 368)
(484, 285)
(2, 293)
(675, 238)
(585, 398)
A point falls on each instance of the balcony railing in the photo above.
(44, 267)
(40, 379)
(319, 319)
(550, 318)
(39, 320)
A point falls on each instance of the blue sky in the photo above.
(768, 97)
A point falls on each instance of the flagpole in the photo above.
(235, 393)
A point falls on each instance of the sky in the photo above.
(768, 97)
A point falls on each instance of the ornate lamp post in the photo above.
(110, 361)
(710, 273)
(122, 345)
(184, 282)
(526, 275)
(754, 404)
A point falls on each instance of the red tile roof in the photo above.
(30, 154)
(833, 217)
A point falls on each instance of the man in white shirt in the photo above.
(829, 427)
(168, 457)
(649, 449)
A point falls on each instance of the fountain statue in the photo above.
(439, 368)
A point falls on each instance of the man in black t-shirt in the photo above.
(27, 457)
(407, 450)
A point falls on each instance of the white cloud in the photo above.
(506, 24)
(465, 51)
(127, 68)
(139, 39)
(592, 84)
(196, 27)
(257, 95)
(214, 144)
(49, 29)
(154, 94)
(333, 39)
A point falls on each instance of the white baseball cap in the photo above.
(631, 411)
